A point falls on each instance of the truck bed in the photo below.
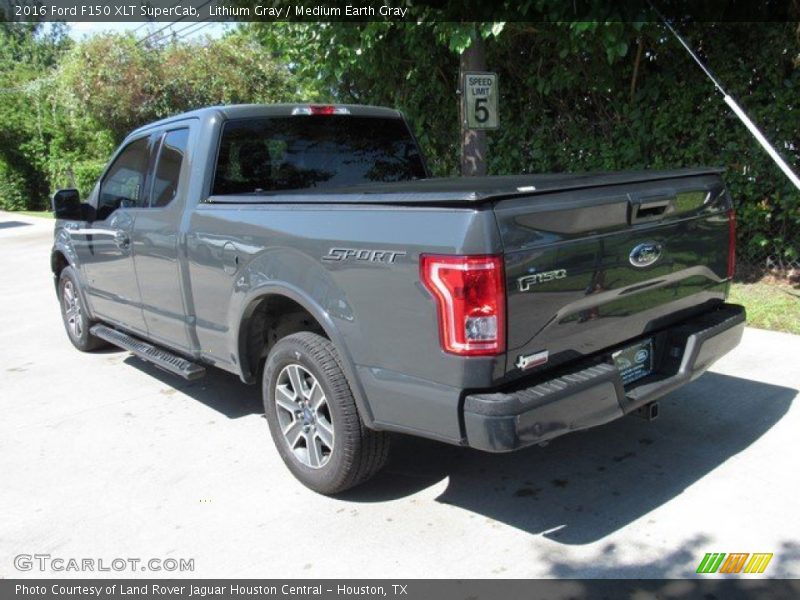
(567, 242)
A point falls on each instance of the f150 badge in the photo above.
(526, 282)
(362, 254)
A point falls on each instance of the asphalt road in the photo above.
(104, 457)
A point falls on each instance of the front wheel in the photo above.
(313, 417)
(73, 313)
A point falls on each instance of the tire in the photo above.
(73, 313)
(313, 418)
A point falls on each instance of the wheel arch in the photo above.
(288, 298)
(58, 260)
(62, 255)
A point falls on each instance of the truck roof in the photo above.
(247, 111)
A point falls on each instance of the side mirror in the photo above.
(67, 204)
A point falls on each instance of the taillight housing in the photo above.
(471, 302)
(731, 243)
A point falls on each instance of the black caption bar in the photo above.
(393, 10)
(414, 589)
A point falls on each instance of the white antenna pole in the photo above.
(763, 141)
(738, 111)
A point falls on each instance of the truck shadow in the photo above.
(219, 390)
(10, 224)
(584, 486)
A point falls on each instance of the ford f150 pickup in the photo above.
(305, 248)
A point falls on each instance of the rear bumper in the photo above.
(593, 394)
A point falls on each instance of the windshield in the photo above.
(313, 151)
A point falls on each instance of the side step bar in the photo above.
(161, 358)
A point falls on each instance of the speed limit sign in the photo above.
(480, 100)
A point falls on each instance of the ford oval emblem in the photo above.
(645, 254)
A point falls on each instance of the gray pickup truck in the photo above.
(305, 248)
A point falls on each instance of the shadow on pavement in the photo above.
(584, 486)
(603, 589)
(219, 390)
(10, 224)
(578, 489)
(604, 564)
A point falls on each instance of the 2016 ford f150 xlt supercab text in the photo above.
(303, 247)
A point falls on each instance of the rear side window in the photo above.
(170, 160)
(313, 152)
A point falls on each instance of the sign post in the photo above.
(480, 100)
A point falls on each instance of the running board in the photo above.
(163, 359)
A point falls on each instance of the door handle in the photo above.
(122, 240)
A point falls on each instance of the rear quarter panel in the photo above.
(380, 316)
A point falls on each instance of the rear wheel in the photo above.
(313, 417)
(73, 313)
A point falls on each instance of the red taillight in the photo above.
(471, 301)
(322, 109)
(731, 243)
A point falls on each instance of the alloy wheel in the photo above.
(304, 416)
(72, 310)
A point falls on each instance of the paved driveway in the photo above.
(103, 457)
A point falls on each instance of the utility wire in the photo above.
(197, 26)
(148, 22)
(168, 25)
(203, 26)
(154, 36)
(190, 29)
(185, 27)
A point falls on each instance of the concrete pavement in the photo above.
(103, 457)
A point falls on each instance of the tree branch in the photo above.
(636, 68)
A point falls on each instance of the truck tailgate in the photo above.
(589, 269)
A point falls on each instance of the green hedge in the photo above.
(13, 195)
(589, 96)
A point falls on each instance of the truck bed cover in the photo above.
(462, 190)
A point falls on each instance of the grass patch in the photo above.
(45, 214)
(773, 306)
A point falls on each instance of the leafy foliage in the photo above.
(67, 106)
(575, 96)
(124, 83)
(582, 96)
(28, 56)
